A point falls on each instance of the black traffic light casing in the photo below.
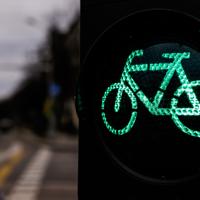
(100, 177)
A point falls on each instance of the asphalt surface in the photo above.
(33, 168)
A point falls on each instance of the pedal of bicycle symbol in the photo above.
(128, 86)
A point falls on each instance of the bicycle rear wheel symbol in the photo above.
(128, 86)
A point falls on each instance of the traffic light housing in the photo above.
(129, 148)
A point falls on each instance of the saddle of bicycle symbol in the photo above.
(127, 85)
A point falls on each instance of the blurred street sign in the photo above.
(54, 89)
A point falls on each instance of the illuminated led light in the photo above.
(194, 111)
(146, 102)
(158, 66)
(128, 85)
(137, 68)
(158, 98)
(124, 130)
(122, 88)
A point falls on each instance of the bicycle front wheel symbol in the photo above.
(178, 113)
(112, 94)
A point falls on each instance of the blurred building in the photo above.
(49, 90)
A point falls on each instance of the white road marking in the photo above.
(29, 184)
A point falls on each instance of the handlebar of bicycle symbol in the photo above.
(128, 86)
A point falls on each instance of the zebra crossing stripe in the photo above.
(28, 185)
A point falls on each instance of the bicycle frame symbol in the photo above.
(128, 86)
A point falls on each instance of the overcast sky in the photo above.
(23, 25)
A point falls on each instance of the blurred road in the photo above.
(32, 168)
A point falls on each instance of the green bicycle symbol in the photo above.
(129, 86)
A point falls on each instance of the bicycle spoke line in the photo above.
(28, 185)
